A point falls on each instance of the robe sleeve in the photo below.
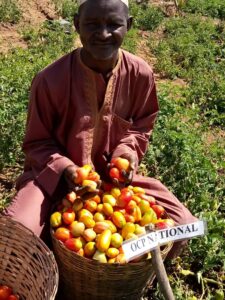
(135, 140)
(43, 154)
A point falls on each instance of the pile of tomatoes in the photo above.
(6, 293)
(97, 227)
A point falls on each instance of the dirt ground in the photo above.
(34, 13)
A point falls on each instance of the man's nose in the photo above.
(104, 32)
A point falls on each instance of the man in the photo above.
(98, 99)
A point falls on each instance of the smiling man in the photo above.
(94, 103)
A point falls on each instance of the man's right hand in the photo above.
(70, 174)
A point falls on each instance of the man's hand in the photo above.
(127, 175)
(70, 175)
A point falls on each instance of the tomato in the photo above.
(62, 234)
(114, 173)
(91, 205)
(118, 219)
(94, 176)
(5, 292)
(13, 297)
(121, 163)
(73, 244)
(56, 219)
(159, 210)
(68, 216)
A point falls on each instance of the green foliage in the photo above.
(16, 72)
(131, 40)
(212, 8)
(9, 11)
(146, 17)
(66, 8)
(178, 156)
(187, 53)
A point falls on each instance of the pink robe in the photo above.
(74, 117)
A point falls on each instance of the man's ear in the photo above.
(76, 23)
(129, 23)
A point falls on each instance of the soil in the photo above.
(34, 13)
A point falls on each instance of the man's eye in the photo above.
(91, 24)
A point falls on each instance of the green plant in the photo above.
(146, 17)
(187, 53)
(16, 72)
(9, 11)
(131, 40)
(66, 8)
(178, 156)
(212, 8)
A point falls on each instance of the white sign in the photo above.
(136, 247)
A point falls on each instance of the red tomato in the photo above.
(5, 292)
(126, 195)
(13, 297)
(159, 210)
(114, 173)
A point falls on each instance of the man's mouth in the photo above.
(102, 44)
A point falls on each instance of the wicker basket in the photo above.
(86, 279)
(26, 263)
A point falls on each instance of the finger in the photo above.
(130, 177)
(89, 195)
(99, 184)
(125, 174)
(81, 190)
(118, 184)
(132, 165)
(115, 181)
(109, 165)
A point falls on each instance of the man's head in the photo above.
(102, 26)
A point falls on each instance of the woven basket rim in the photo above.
(164, 253)
(14, 237)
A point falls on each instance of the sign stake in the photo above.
(161, 274)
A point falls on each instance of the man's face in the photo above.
(102, 25)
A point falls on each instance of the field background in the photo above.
(184, 42)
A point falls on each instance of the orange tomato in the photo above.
(89, 249)
(107, 209)
(68, 216)
(61, 234)
(121, 163)
(98, 217)
(90, 205)
(118, 219)
(94, 176)
(96, 198)
(103, 241)
(88, 221)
